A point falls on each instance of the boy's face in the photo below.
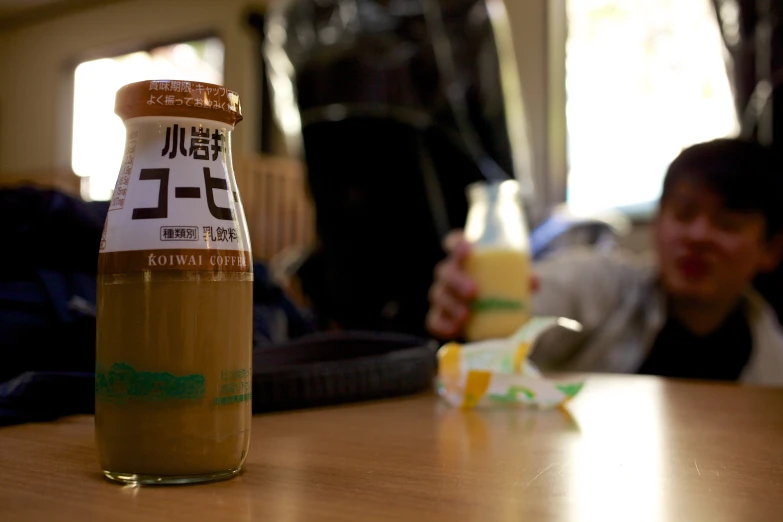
(706, 251)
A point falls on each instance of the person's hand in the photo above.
(452, 291)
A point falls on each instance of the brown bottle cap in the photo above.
(178, 98)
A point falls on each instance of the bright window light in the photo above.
(644, 79)
(98, 134)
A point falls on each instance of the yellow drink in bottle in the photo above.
(503, 303)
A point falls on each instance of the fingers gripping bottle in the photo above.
(499, 261)
(175, 282)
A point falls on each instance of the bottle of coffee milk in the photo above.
(499, 261)
(175, 282)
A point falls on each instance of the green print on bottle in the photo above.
(232, 399)
(496, 304)
(123, 383)
(235, 387)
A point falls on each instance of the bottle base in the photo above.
(169, 480)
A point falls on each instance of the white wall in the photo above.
(37, 61)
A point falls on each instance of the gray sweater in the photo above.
(616, 297)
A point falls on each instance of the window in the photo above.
(644, 79)
(99, 134)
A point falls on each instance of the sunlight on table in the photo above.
(617, 465)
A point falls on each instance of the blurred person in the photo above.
(690, 312)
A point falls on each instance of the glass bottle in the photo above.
(499, 261)
(175, 282)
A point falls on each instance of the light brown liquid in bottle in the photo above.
(173, 377)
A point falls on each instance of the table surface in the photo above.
(627, 449)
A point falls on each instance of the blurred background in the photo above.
(366, 119)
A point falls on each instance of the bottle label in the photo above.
(175, 205)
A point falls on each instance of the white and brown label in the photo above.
(175, 259)
(175, 205)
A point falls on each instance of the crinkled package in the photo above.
(498, 372)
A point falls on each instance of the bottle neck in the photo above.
(175, 191)
(495, 217)
(161, 141)
(191, 135)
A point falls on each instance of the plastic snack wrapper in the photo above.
(497, 372)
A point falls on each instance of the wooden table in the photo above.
(632, 449)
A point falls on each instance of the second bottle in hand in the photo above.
(499, 261)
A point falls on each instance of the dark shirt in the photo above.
(719, 355)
